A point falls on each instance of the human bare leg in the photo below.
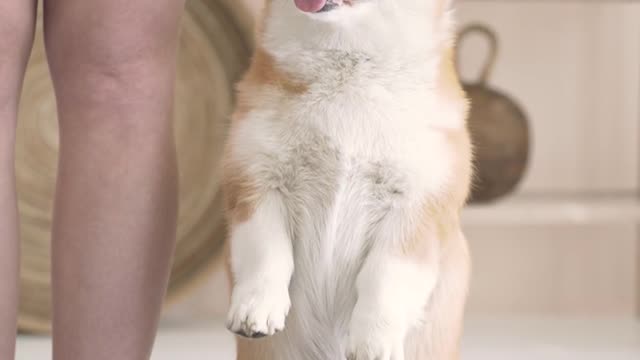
(113, 66)
(17, 20)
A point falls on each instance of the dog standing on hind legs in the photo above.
(346, 168)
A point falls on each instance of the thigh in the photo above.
(81, 33)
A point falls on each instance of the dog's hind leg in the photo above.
(439, 336)
(409, 282)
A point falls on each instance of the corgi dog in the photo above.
(345, 171)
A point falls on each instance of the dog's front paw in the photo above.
(375, 340)
(258, 310)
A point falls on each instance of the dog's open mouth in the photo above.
(318, 6)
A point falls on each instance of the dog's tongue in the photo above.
(310, 5)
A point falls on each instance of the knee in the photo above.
(108, 84)
(106, 66)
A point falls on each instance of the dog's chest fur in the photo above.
(359, 120)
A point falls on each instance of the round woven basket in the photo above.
(215, 47)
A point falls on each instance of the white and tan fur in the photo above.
(346, 168)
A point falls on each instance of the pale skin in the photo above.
(113, 69)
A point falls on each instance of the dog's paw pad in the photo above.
(258, 311)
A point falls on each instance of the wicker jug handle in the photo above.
(493, 49)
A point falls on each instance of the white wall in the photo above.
(574, 67)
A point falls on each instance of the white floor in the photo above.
(522, 339)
